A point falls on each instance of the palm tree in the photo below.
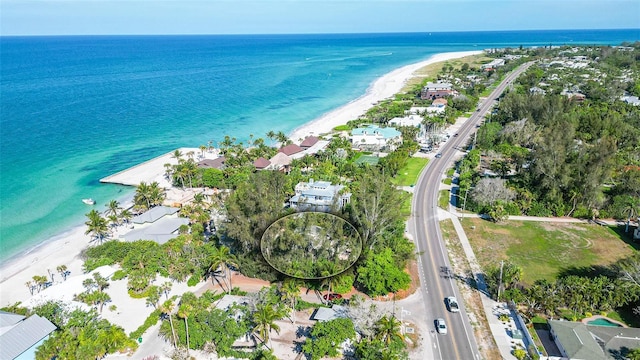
(113, 208)
(141, 198)
(184, 311)
(202, 150)
(30, 286)
(62, 269)
(167, 308)
(166, 288)
(177, 154)
(388, 329)
(290, 291)
(282, 138)
(96, 226)
(271, 135)
(125, 216)
(222, 257)
(264, 319)
(101, 298)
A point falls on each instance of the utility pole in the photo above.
(500, 281)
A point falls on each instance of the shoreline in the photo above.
(382, 88)
(65, 248)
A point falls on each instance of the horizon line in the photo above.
(319, 33)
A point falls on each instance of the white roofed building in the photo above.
(319, 196)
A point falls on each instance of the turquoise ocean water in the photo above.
(76, 109)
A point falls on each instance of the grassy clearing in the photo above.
(443, 200)
(405, 209)
(342, 128)
(544, 250)
(408, 175)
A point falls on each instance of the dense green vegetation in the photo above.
(311, 245)
(560, 157)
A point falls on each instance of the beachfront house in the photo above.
(261, 163)
(437, 90)
(280, 162)
(21, 336)
(319, 196)
(373, 137)
(410, 120)
(493, 64)
(308, 142)
(159, 224)
(577, 340)
(291, 149)
(217, 163)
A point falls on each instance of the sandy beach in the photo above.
(65, 249)
(383, 88)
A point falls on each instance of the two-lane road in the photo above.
(434, 267)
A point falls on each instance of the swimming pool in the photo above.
(603, 322)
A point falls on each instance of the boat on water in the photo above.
(89, 201)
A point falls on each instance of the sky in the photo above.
(119, 17)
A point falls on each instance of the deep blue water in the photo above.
(76, 109)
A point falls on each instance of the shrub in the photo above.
(119, 275)
(149, 322)
(193, 280)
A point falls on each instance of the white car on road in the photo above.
(441, 326)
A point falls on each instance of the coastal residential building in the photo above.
(577, 340)
(159, 224)
(21, 336)
(291, 149)
(493, 64)
(280, 162)
(261, 163)
(308, 142)
(319, 196)
(328, 314)
(410, 120)
(416, 110)
(217, 163)
(373, 137)
(633, 100)
(437, 90)
(537, 91)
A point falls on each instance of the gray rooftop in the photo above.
(592, 342)
(154, 214)
(24, 335)
(9, 319)
(160, 231)
(327, 314)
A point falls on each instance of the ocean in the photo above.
(75, 109)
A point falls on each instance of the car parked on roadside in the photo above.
(332, 297)
(438, 155)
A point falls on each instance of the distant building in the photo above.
(319, 196)
(376, 138)
(633, 100)
(437, 90)
(537, 91)
(328, 314)
(493, 64)
(20, 336)
(410, 120)
(574, 95)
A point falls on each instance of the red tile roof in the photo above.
(212, 163)
(261, 163)
(309, 141)
(291, 149)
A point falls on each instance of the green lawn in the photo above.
(408, 175)
(405, 210)
(543, 250)
(443, 199)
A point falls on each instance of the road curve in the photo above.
(433, 261)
